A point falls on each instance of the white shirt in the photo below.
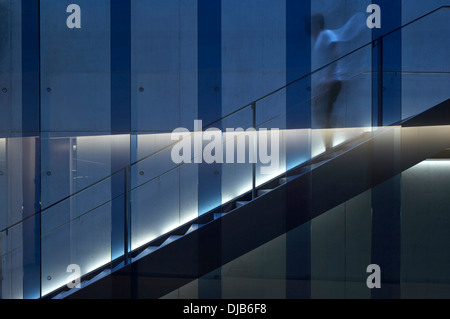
(325, 51)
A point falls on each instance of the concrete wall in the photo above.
(10, 67)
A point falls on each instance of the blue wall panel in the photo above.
(209, 94)
(386, 227)
(31, 149)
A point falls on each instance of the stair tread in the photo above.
(147, 251)
(283, 180)
(170, 239)
(241, 203)
(218, 215)
(193, 227)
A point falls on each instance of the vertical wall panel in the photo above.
(10, 67)
(392, 60)
(31, 126)
(425, 72)
(386, 197)
(210, 93)
(163, 97)
(164, 64)
(413, 9)
(75, 63)
(254, 51)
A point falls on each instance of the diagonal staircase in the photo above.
(282, 204)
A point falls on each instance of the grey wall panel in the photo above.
(11, 200)
(341, 250)
(5, 66)
(328, 254)
(259, 274)
(413, 9)
(91, 158)
(10, 67)
(253, 51)
(75, 66)
(358, 245)
(164, 64)
(4, 185)
(425, 251)
(189, 64)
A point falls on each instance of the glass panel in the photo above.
(155, 208)
(237, 168)
(12, 149)
(17, 198)
(4, 187)
(273, 137)
(70, 164)
(11, 263)
(164, 192)
(159, 147)
(78, 231)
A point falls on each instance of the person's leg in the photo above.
(331, 96)
(319, 120)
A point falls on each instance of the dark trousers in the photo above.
(323, 107)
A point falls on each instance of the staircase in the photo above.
(282, 204)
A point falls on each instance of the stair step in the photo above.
(83, 284)
(119, 266)
(219, 215)
(170, 239)
(241, 203)
(151, 249)
(101, 275)
(193, 227)
(318, 163)
(263, 191)
(284, 180)
(147, 251)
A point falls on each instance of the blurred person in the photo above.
(327, 82)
